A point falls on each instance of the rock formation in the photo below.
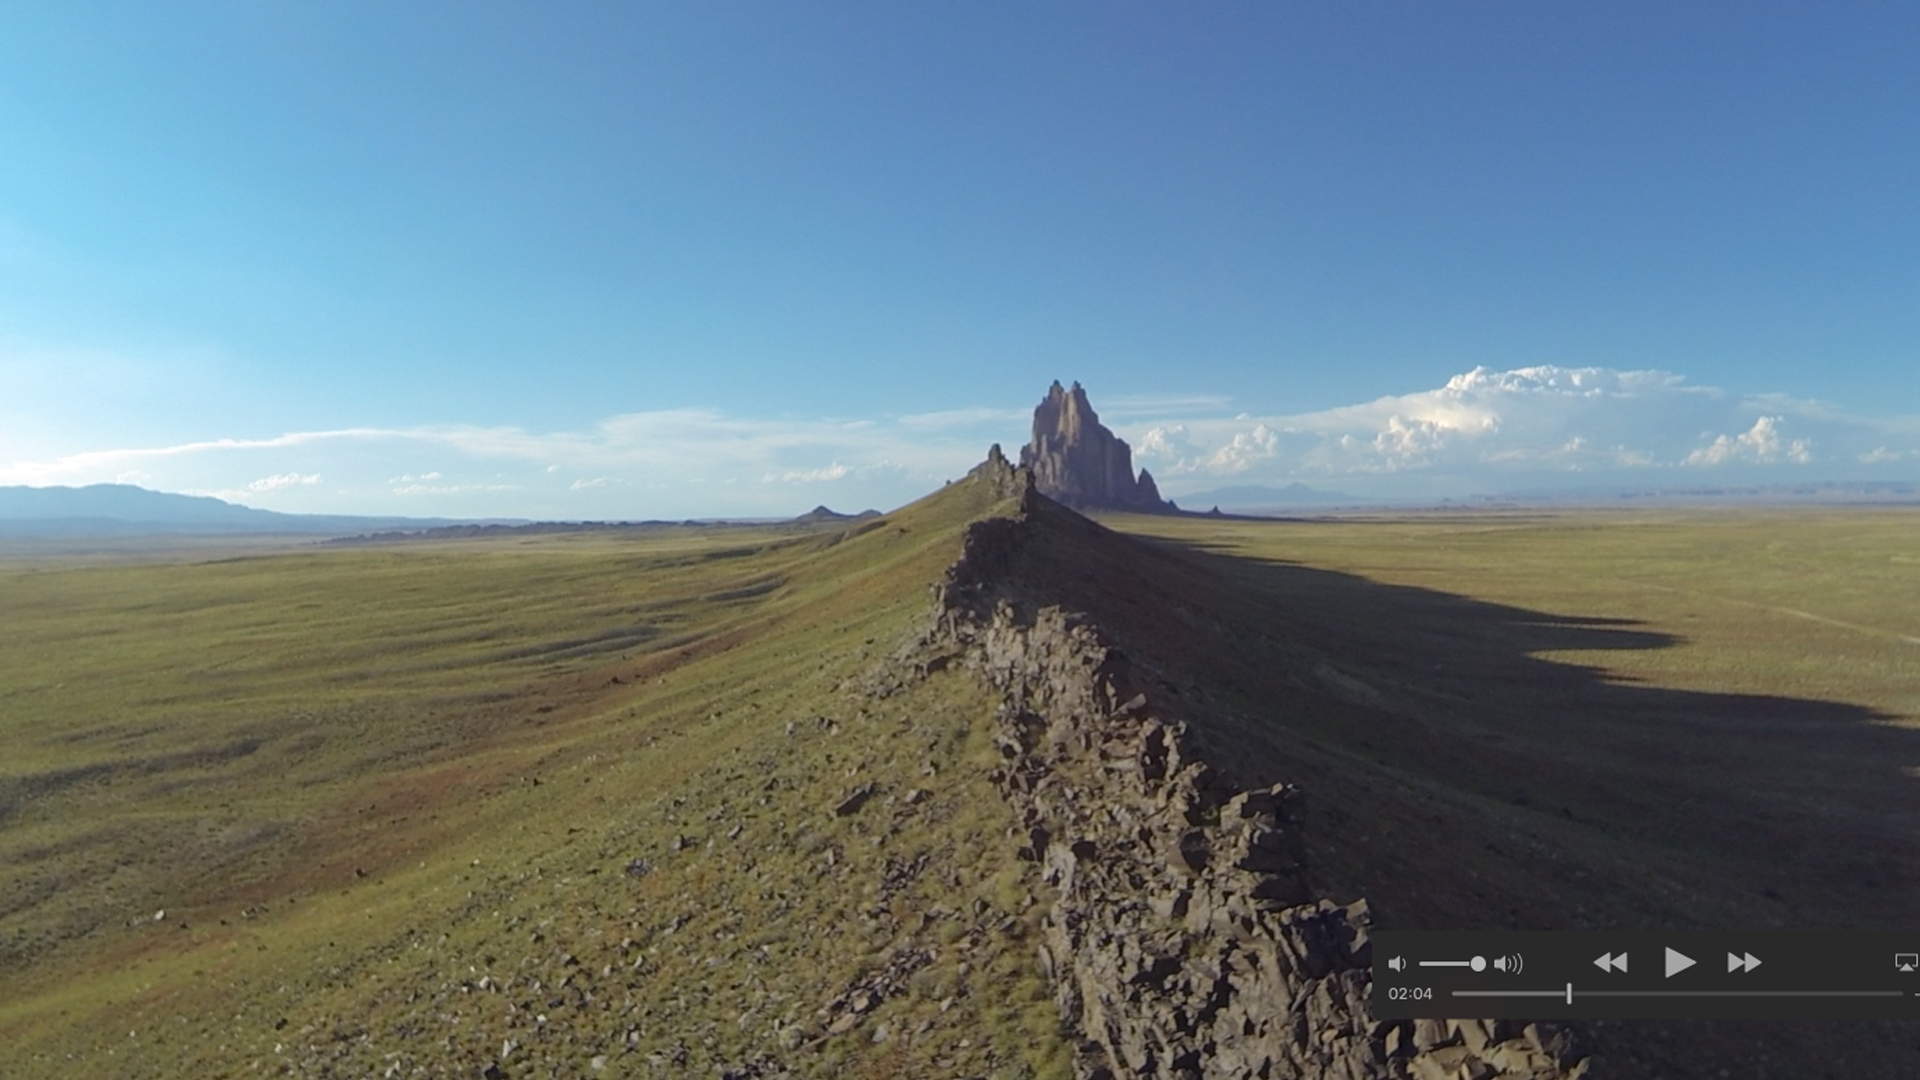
(1075, 460)
(1183, 939)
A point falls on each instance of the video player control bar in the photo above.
(1603, 975)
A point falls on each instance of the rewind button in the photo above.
(1610, 962)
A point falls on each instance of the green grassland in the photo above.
(618, 803)
(407, 807)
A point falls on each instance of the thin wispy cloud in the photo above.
(1482, 430)
(679, 462)
(835, 471)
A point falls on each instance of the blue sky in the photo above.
(631, 260)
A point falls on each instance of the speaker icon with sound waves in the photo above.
(1509, 964)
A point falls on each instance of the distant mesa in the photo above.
(1075, 460)
(823, 514)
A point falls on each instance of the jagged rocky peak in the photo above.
(999, 474)
(1077, 461)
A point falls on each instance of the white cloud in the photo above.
(1172, 442)
(835, 471)
(265, 485)
(1133, 406)
(1760, 444)
(450, 489)
(1486, 429)
(1482, 430)
(1244, 450)
(674, 463)
(283, 480)
(952, 418)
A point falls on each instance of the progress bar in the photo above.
(1682, 993)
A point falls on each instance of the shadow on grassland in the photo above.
(1456, 778)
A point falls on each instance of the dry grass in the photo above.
(405, 806)
(388, 798)
(1583, 720)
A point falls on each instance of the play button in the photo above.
(1677, 962)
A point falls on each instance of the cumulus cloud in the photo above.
(1761, 444)
(1484, 428)
(1244, 450)
(1171, 442)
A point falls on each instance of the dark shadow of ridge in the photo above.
(1803, 804)
(1457, 779)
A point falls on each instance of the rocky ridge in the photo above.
(1183, 938)
(1076, 461)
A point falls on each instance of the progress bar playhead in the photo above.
(1549, 975)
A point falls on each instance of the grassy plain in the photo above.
(1696, 679)
(568, 805)
(1597, 719)
(562, 806)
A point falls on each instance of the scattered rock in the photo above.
(852, 803)
(1183, 939)
(876, 985)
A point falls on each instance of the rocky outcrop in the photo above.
(1183, 939)
(1075, 460)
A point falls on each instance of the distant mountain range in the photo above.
(126, 510)
(1248, 498)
